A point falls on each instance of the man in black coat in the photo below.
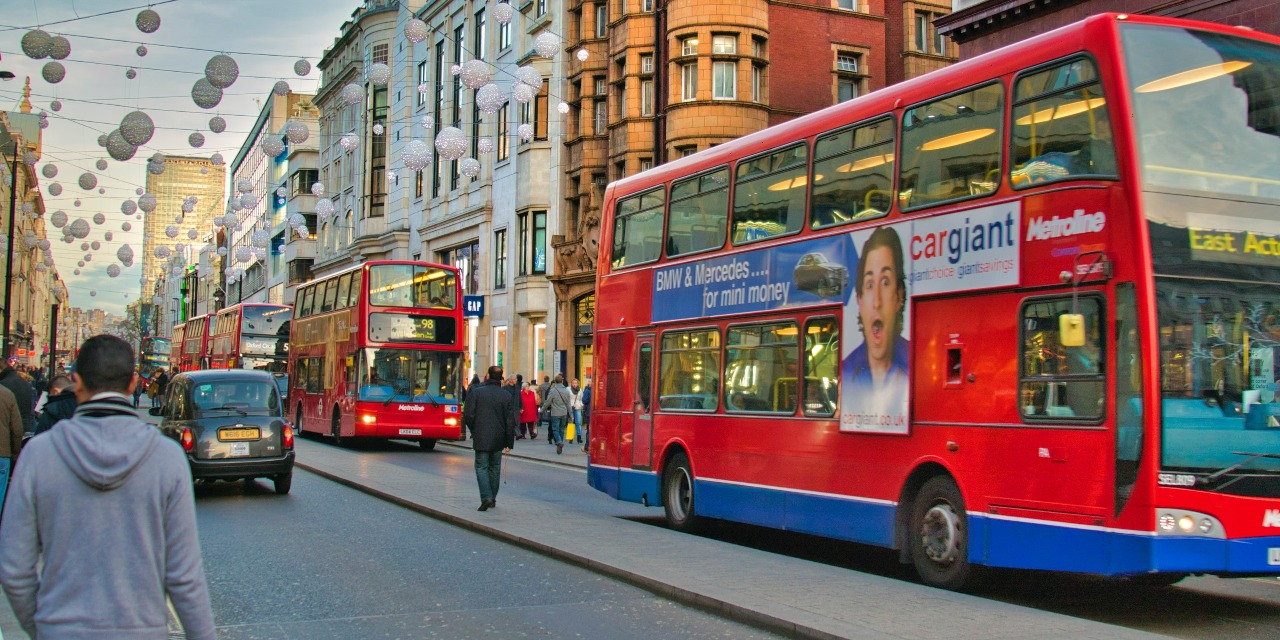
(60, 405)
(22, 392)
(488, 414)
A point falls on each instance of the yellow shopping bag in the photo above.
(570, 431)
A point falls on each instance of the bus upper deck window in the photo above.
(852, 175)
(1060, 126)
(769, 194)
(951, 147)
(699, 213)
(637, 228)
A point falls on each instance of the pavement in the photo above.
(784, 594)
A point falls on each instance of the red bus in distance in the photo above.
(251, 335)
(191, 344)
(376, 351)
(1020, 312)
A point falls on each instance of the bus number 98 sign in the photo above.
(399, 327)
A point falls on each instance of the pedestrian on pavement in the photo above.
(493, 429)
(162, 387)
(22, 391)
(475, 382)
(542, 398)
(61, 404)
(584, 402)
(513, 387)
(100, 524)
(11, 433)
(559, 403)
(528, 412)
(138, 388)
(577, 410)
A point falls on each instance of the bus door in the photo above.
(642, 414)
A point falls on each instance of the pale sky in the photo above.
(95, 95)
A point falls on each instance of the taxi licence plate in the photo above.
(230, 435)
(239, 449)
(411, 432)
(1273, 556)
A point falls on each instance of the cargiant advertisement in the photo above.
(873, 273)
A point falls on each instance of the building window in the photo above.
(440, 71)
(601, 118)
(689, 81)
(504, 36)
(504, 133)
(689, 47)
(757, 47)
(724, 83)
(646, 97)
(422, 79)
(724, 44)
(685, 152)
(500, 259)
(417, 184)
(600, 85)
(646, 63)
(540, 8)
(533, 242)
(459, 50)
(847, 5)
(380, 53)
(303, 179)
(757, 83)
(646, 6)
(847, 62)
(646, 164)
(482, 36)
(602, 20)
(846, 89)
(927, 35)
(848, 82)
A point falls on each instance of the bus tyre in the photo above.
(939, 536)
(335, 428)
(283, 483)
(428, 444)
(677, 494)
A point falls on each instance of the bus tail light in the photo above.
(188, 440)
(368, 418)
(450, 422)
(288, 436)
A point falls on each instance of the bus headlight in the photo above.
(368, 418)
(1184, 522)
(450, 422)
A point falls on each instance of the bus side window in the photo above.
(821, 367)
(769, 194)
(699, 216)
(951, 147)
(1059, 381)
(1060, 126)
(761, 366)
(852, 175)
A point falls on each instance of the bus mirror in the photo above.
(1071, 330)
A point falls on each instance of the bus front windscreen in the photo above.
(409, 375)
(1207, 111)
(408, 285)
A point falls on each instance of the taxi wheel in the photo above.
(283, 483)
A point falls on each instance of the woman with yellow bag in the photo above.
(559, 403)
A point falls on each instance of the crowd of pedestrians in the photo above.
(549, 407)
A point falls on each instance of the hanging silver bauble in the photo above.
(563, 107)
(88, 181)
(297, 131)
(243, 254)
(196, 139)
(53, 72)
(125, 226)
(217, 124)
(29, 209)
(102, 140)
(41, 267)
(525, 131)
(95, 245)
(302, 68)
(99, 218)
(147, 21)
(49, 170)
(188, 207)
(260, 238)
(416, 30)
(353, 94)
(36, 44)
(469, 167)
(222, 251)
(424, 89)
(124, 253)
(101, 190)
(216, 160)
(378, 129)
(582, 55)
(108, 236)
(503, 12)
(416, 155)
(244, 185)
(392, 177)
(379, 73)
(204, 170)
(455, 69)
(44, 246)
(141, 51)
(281, 88)
(128, 207)
(29, 238)
(451, 142)
(523, 93)
(118, 147)
(547, 44)
(113, 270)
(147, 202)
(101, 164)
(56, 105)
(192, 234)
(248, 200)
(484, 145)
(79, 228)
(59, 48)
(317, 189)
(155, 168)
(58, 219)
(324, 208)
(281, 192)
(88, 257)
(171, 231)
(43, 121)
(55, 189)
(476, 74)
(137, 128)
(161, 252)
(205, 95)
(76, 203)
(131, 73)
(530, 76)
(272, 146)
(297, 220)
(349, 141)
(76, 272)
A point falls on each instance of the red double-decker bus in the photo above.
(1020, 312)
(190, 350)
(376, 351)
(251, 335)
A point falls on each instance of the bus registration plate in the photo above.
(411, 432)
(1273, 556)
(229, 435)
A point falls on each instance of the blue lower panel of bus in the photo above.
(997, 542)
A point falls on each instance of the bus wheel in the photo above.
(677, 494)
(428, 444)
(939, 536)
(335, 429)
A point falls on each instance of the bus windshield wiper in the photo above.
(395, 391)
(1251, 457)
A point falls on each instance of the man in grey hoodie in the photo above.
(100, 521)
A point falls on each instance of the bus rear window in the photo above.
(951, 147)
